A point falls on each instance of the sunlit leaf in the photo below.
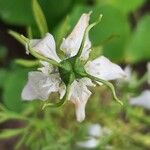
(39, 17)
(138, 47)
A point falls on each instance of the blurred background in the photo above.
(123, 36)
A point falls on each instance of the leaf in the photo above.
(8, 133)
(12, 89)
(3, 52)
(115, 24)
(39, 17)
(138, 48)
(117, 28)
(3, 75)
(16, 12)
(126, 6)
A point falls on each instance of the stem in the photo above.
(108, 84)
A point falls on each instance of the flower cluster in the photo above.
(71, 76)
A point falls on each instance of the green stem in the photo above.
(108, 84)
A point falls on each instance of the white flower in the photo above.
(95, 134)
(91, 143)
(142, 100)
(95, 130)
(47, 80)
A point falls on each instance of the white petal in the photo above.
(95, 130)
(79, 95)
(142, 100)
(46, 47)
(86, 50)
(88, 144)
(62, 90)
(72, 43)
(128, 72)
(39, 85)
(148, 69)
(47, 68)
(104, 69)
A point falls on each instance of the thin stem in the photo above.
(108, 84)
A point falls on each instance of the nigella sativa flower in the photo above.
(72, 76)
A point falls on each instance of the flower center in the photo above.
(72, 67)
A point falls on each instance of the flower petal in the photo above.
(79, 95)
(95, 130)
(142, 100)
(91, 143)
(72, 43)
(39, 85)
(47, 68)
(86, 50)
(104, 69)
(46, 47)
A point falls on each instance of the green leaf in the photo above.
(115, 24)
(138, 48)
(39, 17)
(12, 89)
(3, 52)
(16, 12)
(3, 75)
(126, 6)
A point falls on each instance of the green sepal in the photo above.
(27, 63)
(86, 33)
(109, 85)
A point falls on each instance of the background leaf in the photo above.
(138, 48)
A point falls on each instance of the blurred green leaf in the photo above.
(3, 52)
(19, 12)
(16, 12)
(138, 47)
(115, 24)
(39, 17)
(13, 86)
(3, 75)
(117, 28)
(126, 6)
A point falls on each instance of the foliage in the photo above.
(116, 37)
